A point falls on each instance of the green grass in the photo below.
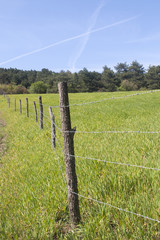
(34, 198)
(2, 139)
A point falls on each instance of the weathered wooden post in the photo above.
(20, 106)
(35, 109)
(40, 112)
(68, 135)
(8, 102)
(15, 105)
(53, 127)
(27, 108)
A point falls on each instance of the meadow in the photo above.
(34, 201)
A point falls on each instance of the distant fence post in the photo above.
(40, 113)
(20, 106)
(53, 127)
(27, 108)
(35, 109)
(15, 105)
(68, 135)
(8, 102)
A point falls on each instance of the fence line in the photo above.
(106, 99)
(55, 153)
(126, 164)
(99, 132)
(111, 98)
(100, 160)
(89, 198)
(47, 128)
(100, 202)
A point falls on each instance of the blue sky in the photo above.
(72, 34)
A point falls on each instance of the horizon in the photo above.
(78, 70)
(58, 37)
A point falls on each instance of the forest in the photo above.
(124, 77)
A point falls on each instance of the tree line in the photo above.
(124, 77)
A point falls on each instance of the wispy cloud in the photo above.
(93, 21)
(68, 40)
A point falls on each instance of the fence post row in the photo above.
(27, 108)
(69, 154)
(35, 109)
(41, 112)
(20, 106)
(53, 127)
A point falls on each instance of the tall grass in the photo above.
(34, 197)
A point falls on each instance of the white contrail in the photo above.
(69, 39)
(86, 38)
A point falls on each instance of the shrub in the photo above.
(128, 86)
(38, 87)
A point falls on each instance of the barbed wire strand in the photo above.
(118, 163)
(47, 126)
(60, 128)
(106, 99)
(99, 132)
(49, 119)
(143, 132)
(118, 208)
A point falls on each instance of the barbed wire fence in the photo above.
(68, 135)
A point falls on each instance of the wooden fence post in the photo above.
(8, 102)
(53, 127)
(20, 106)
(27, 108)
(40, 113)
(35, 109)
(68, 135)
(15, 105)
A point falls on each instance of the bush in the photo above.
(128, 86)
(20, 90)
(38, 87)
(12, 89)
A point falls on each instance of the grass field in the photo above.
(34, 197)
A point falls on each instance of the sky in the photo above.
(71, 34)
